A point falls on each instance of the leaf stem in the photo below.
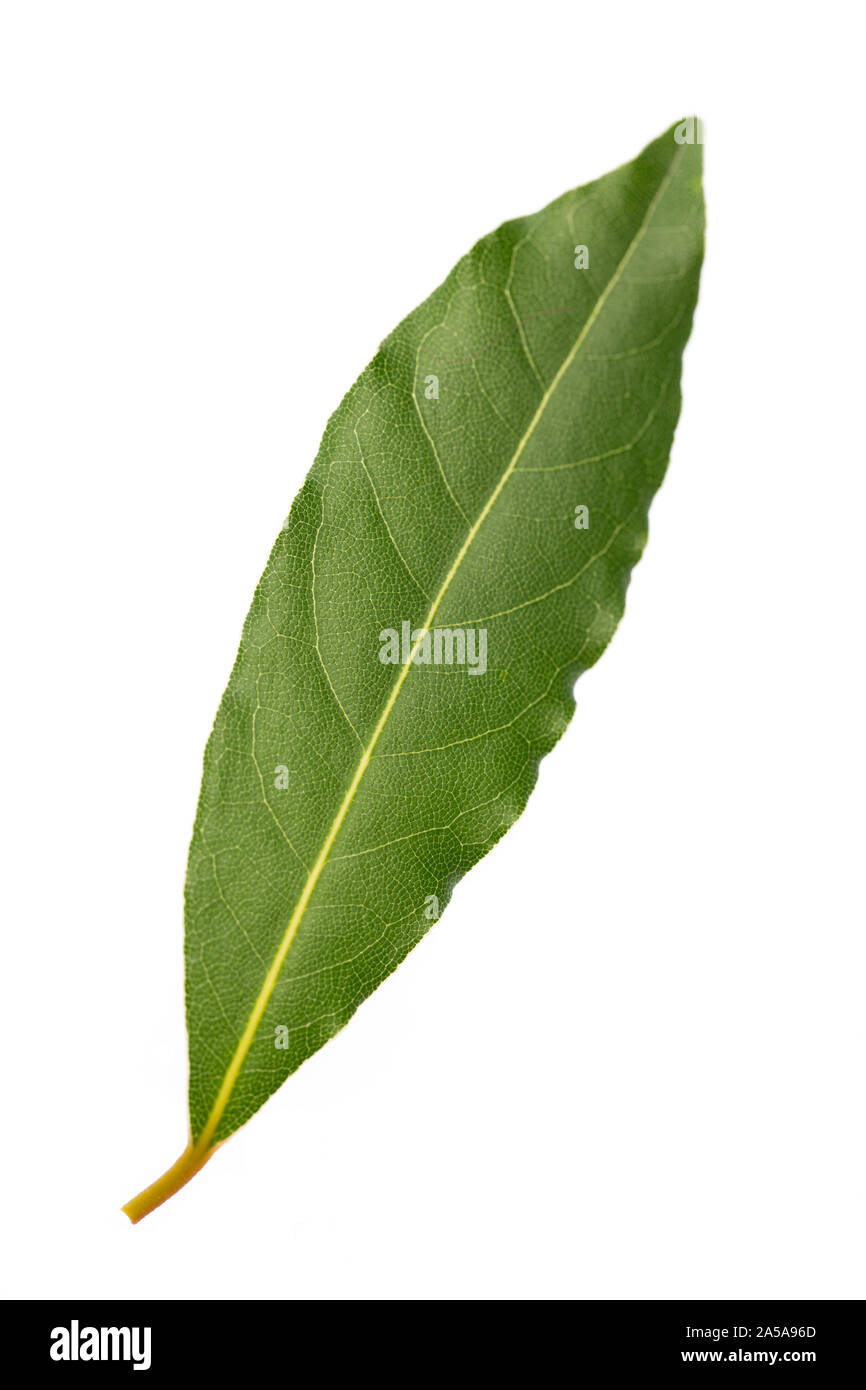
(191, 1161)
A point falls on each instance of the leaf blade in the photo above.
(445, 508)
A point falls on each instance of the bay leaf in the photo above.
(458, 555)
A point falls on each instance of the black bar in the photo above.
(800, 1338)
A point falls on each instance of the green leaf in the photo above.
(483, 488)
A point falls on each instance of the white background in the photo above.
(628, 1062)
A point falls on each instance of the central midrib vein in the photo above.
(203, 1142)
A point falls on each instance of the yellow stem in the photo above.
(191, 1161)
